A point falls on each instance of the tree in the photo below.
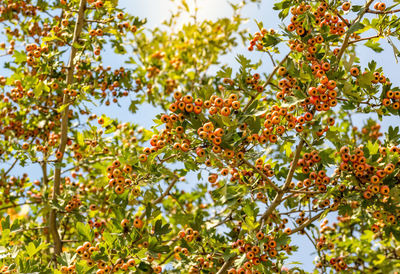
(268, 149)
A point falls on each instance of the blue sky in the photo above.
(158, 10)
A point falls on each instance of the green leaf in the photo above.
(250, 222)
(84, 231)
(133, 107)
(396, 51)
(373, 147)
(372, 65)
(62, 107)
(19, 56)
(114, 3)
(393, 134)
(270, 40)
(159, 229)
(373, 45)
(144, 267)
(79, 139)
(250, 209)
(287, 147)
(282, 240)
(357, 26)
(396, 234)
(348, 64)
(5, 223)
(365, 80)
(66, 258)
(109, 238)
(40, 88)
(282, 5)
(243, 61)
(356, 8)
(225, 72)
(299, 94)
(241, 261)
(159, 249)
(380, 259)
(33, 248)
(51, 38)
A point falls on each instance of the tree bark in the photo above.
(53, 225)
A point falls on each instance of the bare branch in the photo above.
(53, 226)
(21, 204)
(365, 38)
(278, 198)
(10, 168)
(382, 12)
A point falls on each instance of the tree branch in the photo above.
(17, 205)
(53, 226)
(363, 39)
(163, 195)
(226, 265)
(10, 168)
(382, 12)
(166, 192)
(44, 188)
(309, 221)
(274, 186)
(269, 79)
(347, 37)
(272, 59)
(278, 198)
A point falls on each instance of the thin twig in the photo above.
(276, 202)
(269, 79)
(347, 37)
(272, 59)
(365, 38)
(274, 186)
(166, 258)
(17, 205)
(382, 12)
(11, 167)
(305, 192)
(29, 228)
(98, 21)
(163, 195)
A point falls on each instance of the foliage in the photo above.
(266, 149)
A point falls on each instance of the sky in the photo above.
(157, 11)
(212, 9)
